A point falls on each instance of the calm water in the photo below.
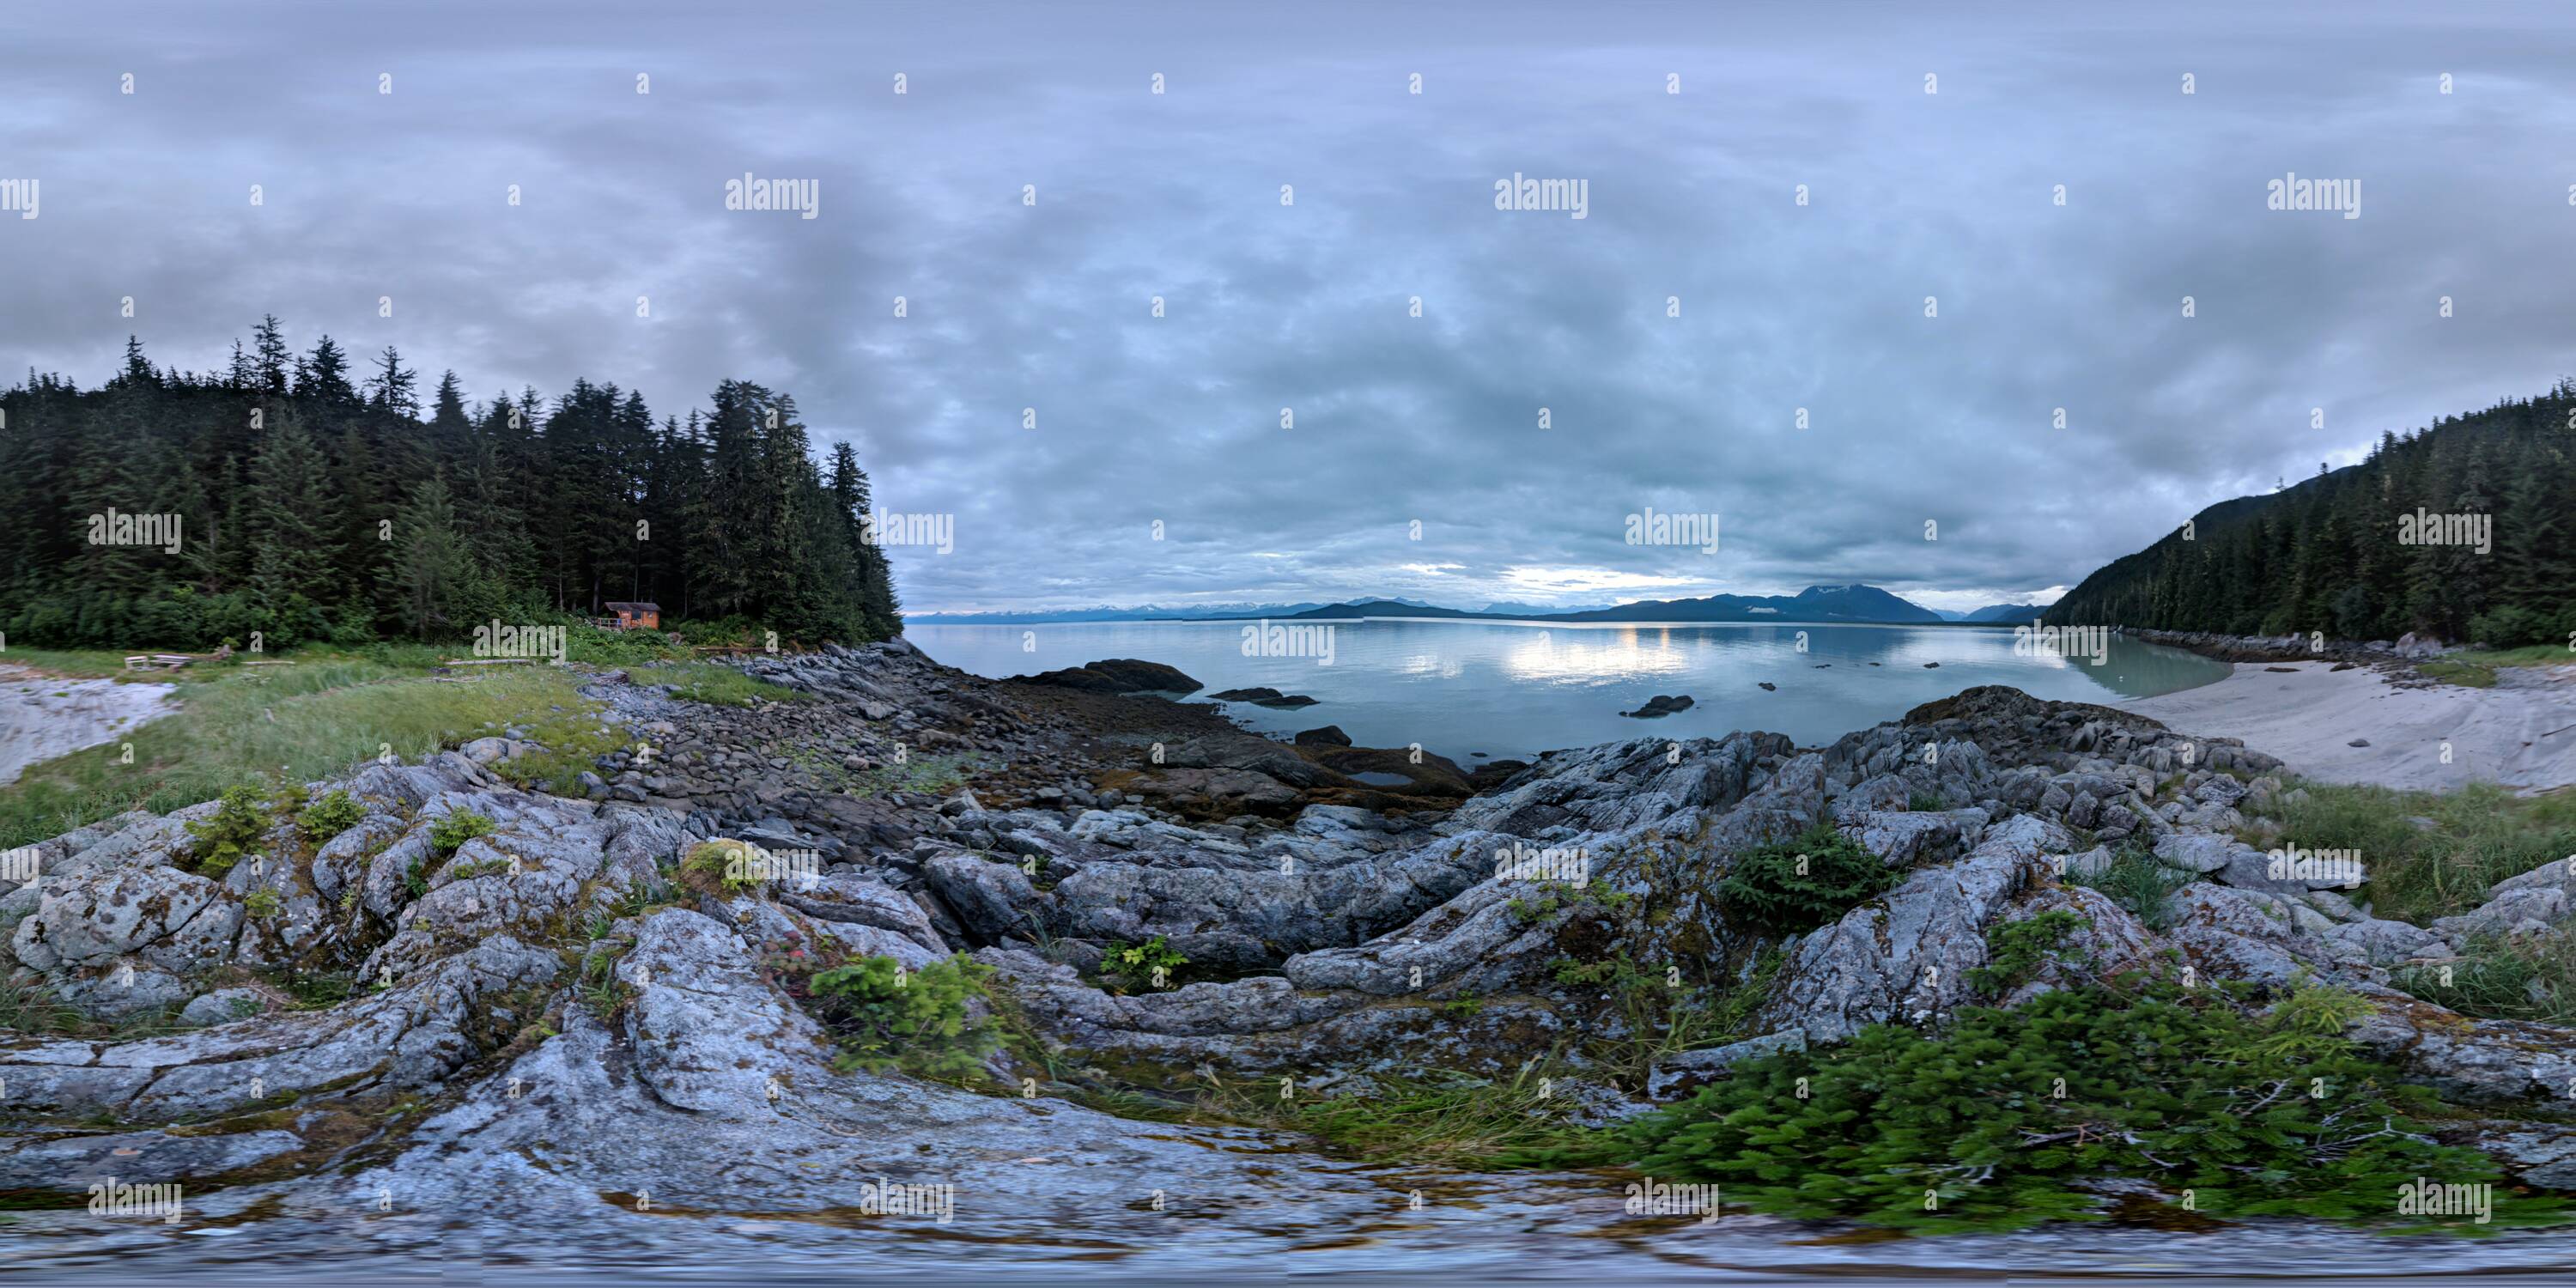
(1512, 689)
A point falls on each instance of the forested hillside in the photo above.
(2345, 552)
(316, 502)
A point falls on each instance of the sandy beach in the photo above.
(41, 718)
(2521, 733)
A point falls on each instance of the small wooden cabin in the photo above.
(633, 617)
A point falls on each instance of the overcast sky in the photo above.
(1307, 306)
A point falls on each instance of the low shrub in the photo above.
(710, 867)
(2017, 949)
(2139, 883)
(2004, 1118)
(1795, 886)
(330, 816)
(455, 828)
(934, 1022)
(1135, 968)
(233, 832)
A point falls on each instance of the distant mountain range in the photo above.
(1852, 603)
(1999, 613)
(1146, 613)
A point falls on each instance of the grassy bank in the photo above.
(316, 712)
(2477, 669)
(2430, 854)
(316, 718)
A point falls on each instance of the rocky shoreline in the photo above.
(546, 1014)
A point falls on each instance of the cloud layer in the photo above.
(1305, 309)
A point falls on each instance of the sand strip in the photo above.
(2521, 733)
(43, 718)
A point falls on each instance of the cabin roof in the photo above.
(622, 605)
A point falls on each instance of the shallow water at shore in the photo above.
(1512, 1229)
(1514, 689)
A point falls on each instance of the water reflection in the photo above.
(1512, 689)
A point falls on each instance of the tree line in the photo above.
(317, 502)
(2350, 552)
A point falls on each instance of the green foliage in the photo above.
(2478, 835)
(302, 463)
(2016, 949)
(455, 828)
(2137, 882)
(263, 903)
(716, 867)
(1131, 968)
(1922, 802)
(1664, 1012)
(933, 1022)
(2326, 554)
(233, 832)
(238, 724)
(718, 685)
(2172, 1087)
(1798, 885)
(330, 816)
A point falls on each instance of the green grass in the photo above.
(936, 775)
(2137, 882)
(2477, 669)
(81, 664)
(2466, 674)
(2481, 834)
(1441, 1119)
(715, 683)
(237, 724)
(2503, 979)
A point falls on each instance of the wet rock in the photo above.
(1328, 736)
(1263, 696)
(1661, 705)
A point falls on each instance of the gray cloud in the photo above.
(1397, 418)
